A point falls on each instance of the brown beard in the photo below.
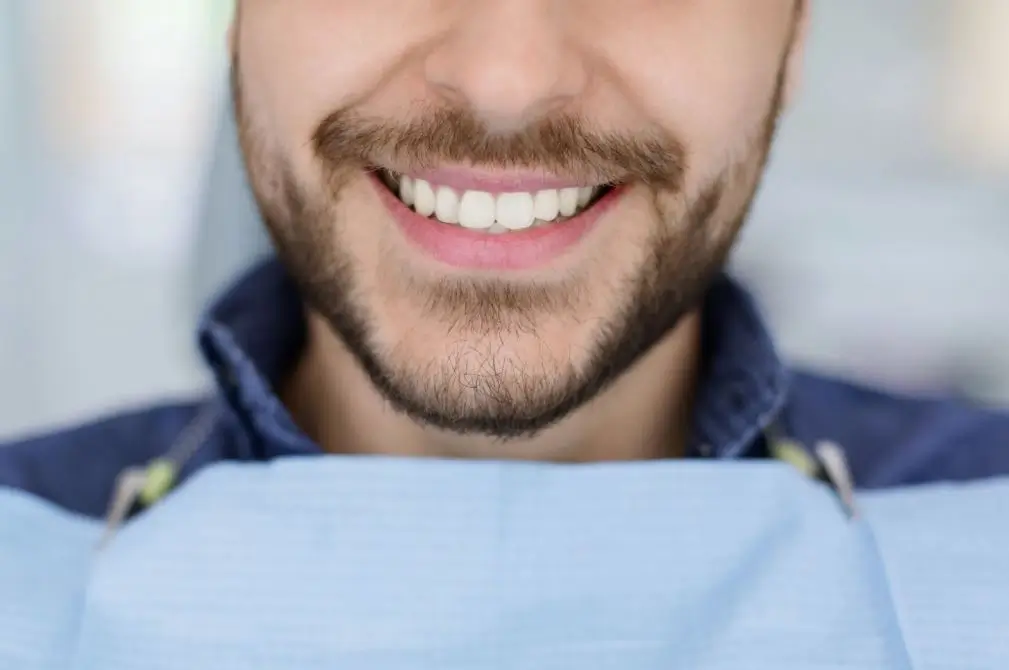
(684, 256)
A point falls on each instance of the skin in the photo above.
(591, 357)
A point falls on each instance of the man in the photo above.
(501, 228)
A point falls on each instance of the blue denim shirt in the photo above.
(255, 333)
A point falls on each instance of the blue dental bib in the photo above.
(385, 564)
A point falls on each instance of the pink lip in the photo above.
(468, 249)
(470, 179)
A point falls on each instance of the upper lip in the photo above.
(495, 181)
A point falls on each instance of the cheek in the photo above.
(304, 59)
(713, 98)
(721, 115)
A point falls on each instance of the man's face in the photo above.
(501, 205)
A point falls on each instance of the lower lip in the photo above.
(468, 249)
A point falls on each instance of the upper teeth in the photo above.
(480, 210)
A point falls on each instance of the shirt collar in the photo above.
(744, 384)
(253, 335)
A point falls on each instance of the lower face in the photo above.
(495, 300)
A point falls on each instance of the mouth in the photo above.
(497, 222)
(490, 212)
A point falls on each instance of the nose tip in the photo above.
(508, 62)
(499, 111)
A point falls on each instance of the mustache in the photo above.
(561, 145)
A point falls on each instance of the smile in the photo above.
(489, 211)
(493, 221)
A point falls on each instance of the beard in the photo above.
(488, 369)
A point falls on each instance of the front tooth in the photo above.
(477, 210)
(585, 195)
(446, 205)
(568, 201)
(406, 190)
(546, 205)
(424, 198)
(515, 210)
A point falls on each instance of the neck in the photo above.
(645, 415)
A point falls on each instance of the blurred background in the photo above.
(879, 245)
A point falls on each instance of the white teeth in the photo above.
(569, 201)
(480, 210)
(446, 206)
(406, 190)
(515, 211)
(547, 205)
(424, 198)
(477, 210)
